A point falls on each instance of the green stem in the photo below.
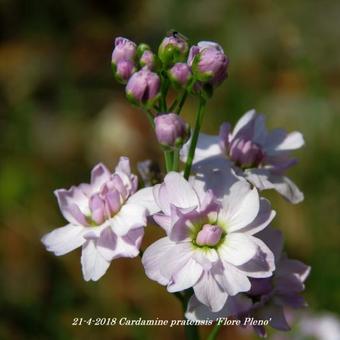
(197, 128)
(214, 332)
(168, 160)
(173, 105)
(150, 117)
(181, 102)
(175, 163)
(164, 92)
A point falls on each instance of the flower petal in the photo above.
(176, 191)
(263, 179)
(186, 277)
(73, 205)
(237, 249)
(208, 291)
(145, 198)
(232, 279)
(219, 180)
(273, 238)
(175, 259)
(276, 315)
(292, 141)
(107, 243)
(207, 147)
(130, 216)
(244, 125)
(240, 207)
(129, 244)
(163, 221)
(235, 305)
(265, 215)
(123, 165)
(152, 256)
(63, 240)
(99, 175)
(260, 265)
(93, 264)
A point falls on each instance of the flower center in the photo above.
(246, 153)
(210, 235)
(106, 203)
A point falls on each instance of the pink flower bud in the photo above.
(147, 59)
(173, 49)
(180, 74)
(124, 70)
(210, 235)
(124, 50)
(143, 87)
(171, 130)
(209, 63)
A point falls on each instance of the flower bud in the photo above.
(147, 59)
(210, 235)
(124, 70)
(171, 130)
(143, 87)
(180, 74)
(125, 49)
(209, 63)
(174, 48)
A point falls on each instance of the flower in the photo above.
(260, 156)
(143, 87)
(180, 74)
(105, 218)
(171, 130)
(174, 48)
(209, 244)
(268, 296)
(209, 63)
(272, 295)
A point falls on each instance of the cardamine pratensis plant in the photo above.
(220, 256)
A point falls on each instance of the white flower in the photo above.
(106, 218)
(210, 244)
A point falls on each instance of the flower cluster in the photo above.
(220, 255)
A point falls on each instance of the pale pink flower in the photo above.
(210, 243)
(268, 297)
(259, 155)
(105, 218)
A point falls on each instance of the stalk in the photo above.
(197, 128)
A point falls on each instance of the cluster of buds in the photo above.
(192, 68)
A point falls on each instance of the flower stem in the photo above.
(197, 128)
(150, 117)
(175, 163)
(181, 102)
(164, 92)
(214, 332)
(168, 160)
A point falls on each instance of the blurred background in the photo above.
(61, 112)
